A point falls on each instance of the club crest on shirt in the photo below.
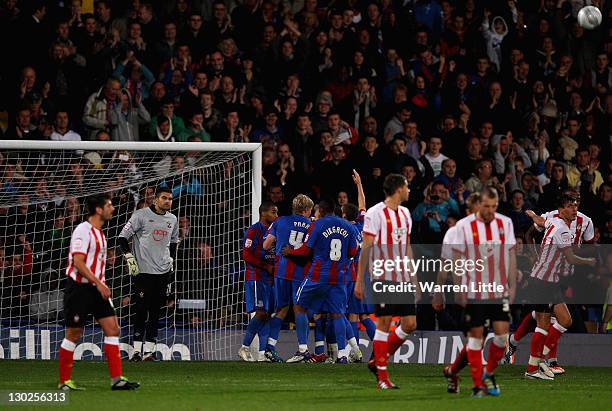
(398, 233)
(248, 243)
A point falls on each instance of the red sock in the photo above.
(381, 355)
(66, 360)
(495, 354)
(113, 357)
(460, 362)
(552, 340)
(395, 340)
(528, 324)
(475, 359)
(537, 344)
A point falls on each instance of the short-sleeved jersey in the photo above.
(333, 240)
(391, 231)
(388, 226)
(253, 244)
(581, 229)
(448, 242)
(90, 242)
(358, 227)
(551, 260)
(152, 234)
(490, 244)
(290, 230)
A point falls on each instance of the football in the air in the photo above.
(589, 17)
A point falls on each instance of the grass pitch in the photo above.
(235, 386)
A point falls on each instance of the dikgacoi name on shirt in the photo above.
(335, 230)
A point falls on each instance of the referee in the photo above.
(155, 232)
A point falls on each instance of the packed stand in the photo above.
(455, 95)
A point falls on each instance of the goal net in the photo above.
(216, 190)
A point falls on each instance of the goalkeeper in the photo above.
(155, 232)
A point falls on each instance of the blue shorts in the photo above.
(314, 296)
(284, 292)
(258, 295)
(355, 305)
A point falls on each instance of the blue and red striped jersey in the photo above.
(254, 255)
(290, 230)
(333, 241)
(358, 227)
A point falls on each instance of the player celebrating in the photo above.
(333, 243)
(486, 236)
(544, 284)
(451, 372)
(287, 274)
(356, 309)
(388, 223)
(258, 283)
(155, 232)
(86, 294)
(583, 233)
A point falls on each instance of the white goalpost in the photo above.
(43, 185)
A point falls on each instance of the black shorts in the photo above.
(476, 313)
(396, 310)
(544, 295)
(83, 300)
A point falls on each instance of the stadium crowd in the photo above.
(456, 95)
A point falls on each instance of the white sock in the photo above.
(353, 343)
(244, 346)
(271, 341)
(302, 347)
(334, 349)
(138, 346)
(343, 353)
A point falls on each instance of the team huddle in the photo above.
(318, 264)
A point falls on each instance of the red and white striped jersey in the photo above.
(388, 226)
(448, 242)
(581, 228)
(391, 231)
(488, 245)
(551, 259)
(90, 242)
(582, 231)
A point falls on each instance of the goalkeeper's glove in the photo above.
(132, 264)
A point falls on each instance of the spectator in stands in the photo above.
(126, 118)
(62, 131)
(434, 211)
(482, 178)
(516, 211)
(581, 175)
(433, 155)
(99, 105)
(177, 125)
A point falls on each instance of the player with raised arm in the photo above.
(258, 282)
(486, 238)
(556, 250)
(389, 223)
(451, 372)
(87, 294)
(288, 275)
(155, 235)
(332, 242)
(357, 310)
(582, 232)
